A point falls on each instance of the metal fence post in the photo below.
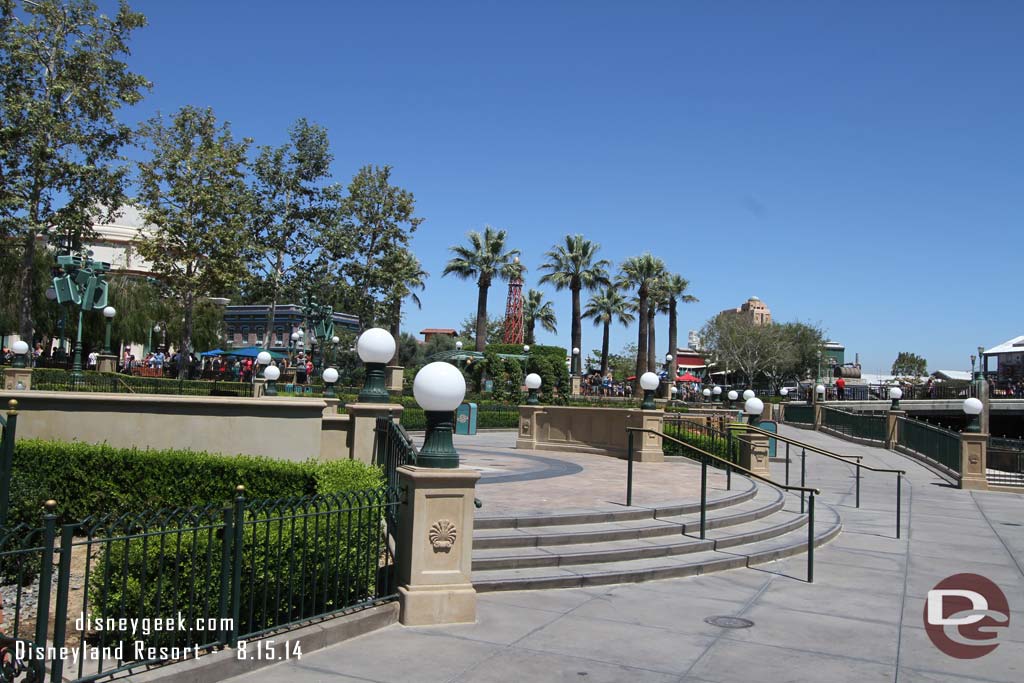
(857, 467)
(899, 492)
(703, 494)
(45, 581)
(810, 538)
(60, 617)
(226, 573)
(7, 458)
(629, 469)
(803, 476)
(236, 566)
(787, 463)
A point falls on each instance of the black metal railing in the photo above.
(870, 426)
(724, 444)
(707, 458)
(101, 382)
(799, 413)
(937, 444)
(394, 448)
(214, 575)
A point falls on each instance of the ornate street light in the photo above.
(109, 312)
(20, 349)
(648, 382)
(748, 394)
(706, 393)
(753, 409)
(576, 361)
(271, 373)
(263, 359)
(439, 389)
(973, 408)
(820, 391)
(732, 396)
(895, 394)
(330, 377)
(532, 382)
(458, 346)
(717, 392)
(376, 348)
(784, 392)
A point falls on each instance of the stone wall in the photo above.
(590, 430)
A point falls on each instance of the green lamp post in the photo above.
(895, 394)
(732, 396)
(20, 349)
(263, 359)
(271, 374)
(973, 408)
(109, 312)
(532, 383)
(717, 393)
(649, 382)
(439, 389)
(330, 377)
(753, 409)
(376, 347)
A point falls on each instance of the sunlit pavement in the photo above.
(861, 620)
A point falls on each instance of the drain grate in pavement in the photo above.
(729, 622)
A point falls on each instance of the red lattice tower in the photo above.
(514, 310)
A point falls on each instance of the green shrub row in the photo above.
(57, 379)
(713, 445)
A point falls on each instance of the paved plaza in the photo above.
(861, 620)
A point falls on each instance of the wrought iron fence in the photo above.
(135, 590)
(394, 449)
(872, 426)
(1006, 455)
(59, 380)
(939, 445)
(799, 414)
(723, 444)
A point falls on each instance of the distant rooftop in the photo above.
(1015, 345)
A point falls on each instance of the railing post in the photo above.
(899, 493)
(703, 495)
(629, 469)
(226, 572)
(236, 568)
(60, 617)
(45, 581)
(810, 538)
(803, 476)
(787, 463)
(728, 477)
(857, 467)
(7, 458)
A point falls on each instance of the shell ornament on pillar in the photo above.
(442, 535)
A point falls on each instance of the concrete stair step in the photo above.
(777, 524)
(827, 526)
(765, 501)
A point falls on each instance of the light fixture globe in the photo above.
(109, 312)
(748, 394)
(273, 373)
(295, 336)
(668, 357)
(439, 389)
(674, 390)
(330, 376)
(575, 351)
(784, 391)
(706, 393)
(820, 390)
(532, 381)
(733, 395)
(716, 390)
(20, 347)
(156, 328)
(753, 409)
(649, 381)
(526, 348)
(973, 408)
(458, 346)
(263, 358)
(375, 345)
(895, 393)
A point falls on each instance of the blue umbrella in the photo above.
(214, 352)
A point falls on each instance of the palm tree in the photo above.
(483, 260)
(573, 265)
(407, 275)
(536, 310)
(641, 272)
(657, 302)
(605, 308)
(675, 287)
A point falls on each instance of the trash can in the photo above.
(773, 427)
(465, 419)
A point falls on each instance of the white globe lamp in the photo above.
(748, 394)
(973, 409)
(648, 382)
(376, 347)
(20, 349)
(272, 373)
(458, 346)
(895, 394)
(753, 407)
(109, 312)
(330, 376)
(439, 389)
(532, 383)
(732, 396)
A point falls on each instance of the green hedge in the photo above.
(714, 446)
(87, 479)
(56, 379)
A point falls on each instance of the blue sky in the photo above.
(855, 164)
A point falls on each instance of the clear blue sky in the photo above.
(857, 164)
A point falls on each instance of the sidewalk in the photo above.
(862, 619)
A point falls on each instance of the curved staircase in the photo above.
(751, 526)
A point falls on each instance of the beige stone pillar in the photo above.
(393, 378)
(647, 446)
(12, 376)
(817, 416)
(106, 363)
(577, 385)
(754, 453)
(892, 425)
(362, 431)
(973, 460)
(434, 548)
(527, 436)
(332, 406)
(259, 387)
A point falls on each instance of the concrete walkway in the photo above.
(862, 619)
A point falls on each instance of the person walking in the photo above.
(841, 388)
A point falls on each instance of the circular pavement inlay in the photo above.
(729, 622)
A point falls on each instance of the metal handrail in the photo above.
(812, 492)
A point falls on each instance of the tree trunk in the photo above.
(26, 325)
(577, 332)
(529, 331)
(652, 347)
(396, 328)
(186, 338)
(673, 339)
(604, 348)
(272, 311)
(641, 337)
(481, 315)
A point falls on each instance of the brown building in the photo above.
(435, 331)
(754, 310)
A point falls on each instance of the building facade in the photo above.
(246, 325)
(754, 310)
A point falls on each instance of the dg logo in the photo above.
(965, 614)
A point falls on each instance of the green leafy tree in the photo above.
(63, 77)
(192, 191)
(483, 260)
(292, 204)
(536, 310)
(495, 330)
(909, 364)
(605, 308)
(674, 288)
(574, 265)
(641, 272)
(407, 276)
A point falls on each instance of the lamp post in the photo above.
(330, 377)
(717, 393)
(576, 368)
(748, 394)
(895, 394)
(263, 359)
(526, 352)
(817, 379)
(732, 396)
(439, 389)
(784, 392)
(271, 373)
(972, 364)
(532, 382)
(458, 346)
(753, 409)
(109, 312)
(820, 391)
(20, 349)
(376, 348)
(706, 394)
(648, 382)
(981, 367)
(972, 408)
(160, 327)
